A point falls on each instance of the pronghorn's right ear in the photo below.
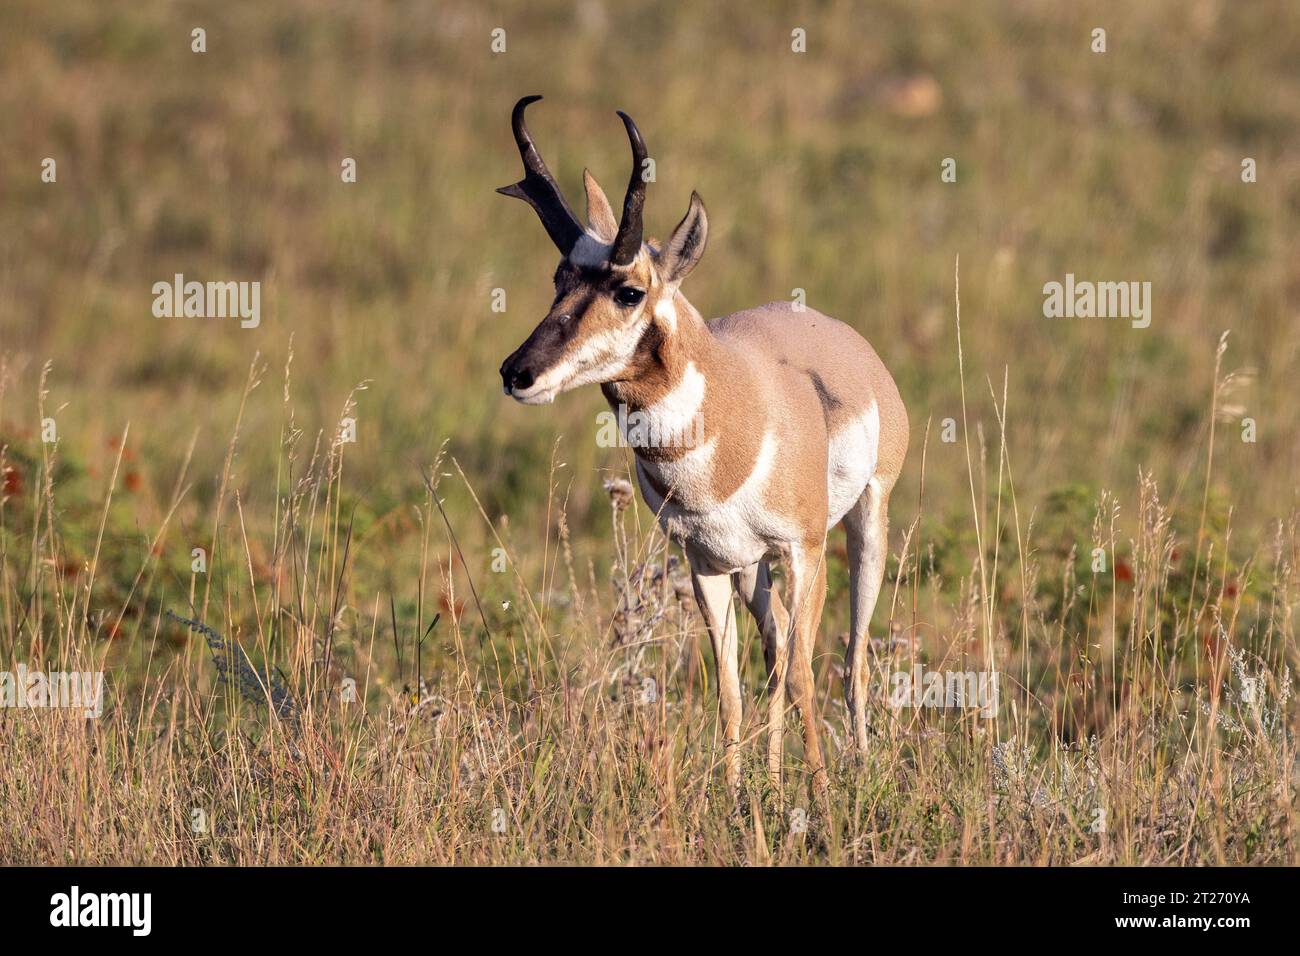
(600, 214)
(687, 243)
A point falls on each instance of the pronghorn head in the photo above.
(613, 292)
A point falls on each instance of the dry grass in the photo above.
(573, 721)
(531, 683)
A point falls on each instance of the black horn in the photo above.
(628, 242)
(539, 189)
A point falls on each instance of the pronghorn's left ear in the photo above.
(687, 243)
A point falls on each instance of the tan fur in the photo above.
(788, 398)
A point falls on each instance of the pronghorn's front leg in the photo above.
(713, 594)
(807, 596)
(755, 586)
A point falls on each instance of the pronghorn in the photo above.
(803, 428)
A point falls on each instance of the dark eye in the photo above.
(627, 296)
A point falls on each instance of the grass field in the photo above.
(532, 682)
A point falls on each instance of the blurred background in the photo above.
(821, 171)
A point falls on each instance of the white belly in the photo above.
(850, 463)
(729, 534)
(734, 533)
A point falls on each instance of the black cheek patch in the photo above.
(650, 343)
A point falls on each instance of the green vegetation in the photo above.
(1157, 689)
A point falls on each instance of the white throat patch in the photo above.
(676, 413)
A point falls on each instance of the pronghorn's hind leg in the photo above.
(867, 525)
(755, 586)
